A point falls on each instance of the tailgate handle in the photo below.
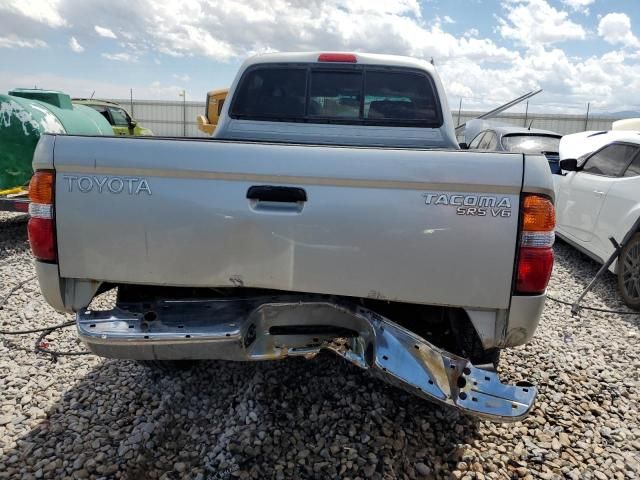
(270, 193)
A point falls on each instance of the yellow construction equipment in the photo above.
(215, 100)
(12, 191)
(14, 200)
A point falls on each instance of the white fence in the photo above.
(166, 118)
(178, 119)
(560, 123)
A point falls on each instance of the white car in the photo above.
(599, 197)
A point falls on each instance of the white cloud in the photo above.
(121, 57)
(104, 32)
(182, 78)
(614, 57)
(535, 22)
(605, 81)
(81, 88)
(13, 41)
(485, 71)
(233, 29)
(42, 11)
(75, 46)
(579, 5)
(615, 28)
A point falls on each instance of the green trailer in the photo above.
(25, 115)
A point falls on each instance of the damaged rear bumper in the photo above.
(267, 329)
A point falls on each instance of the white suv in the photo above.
(599, 198)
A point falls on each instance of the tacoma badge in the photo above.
(473, 205)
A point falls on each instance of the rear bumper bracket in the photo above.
(274, 328)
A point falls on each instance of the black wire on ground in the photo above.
(43, 331)
(595, 309)
(37, 330)
(54, 353)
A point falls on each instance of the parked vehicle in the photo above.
(632, 124)
(580, 145)
(599, 198)
(25, 115)
(289, 233)
(215, 101)
(520, 140)
(116, 115)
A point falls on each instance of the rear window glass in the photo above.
(360, 96)
(335, 94)
(272, 92)
(399, 96)
(531, 143)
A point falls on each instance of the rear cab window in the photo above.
(343, 94)
(271, 93)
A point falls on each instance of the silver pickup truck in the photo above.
(333, 211)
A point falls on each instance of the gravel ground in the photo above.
(86, 417)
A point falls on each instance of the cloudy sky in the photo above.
(487, 51)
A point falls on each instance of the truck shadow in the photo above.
(13, 236)
(293, 419)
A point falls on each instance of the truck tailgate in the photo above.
(379, 223)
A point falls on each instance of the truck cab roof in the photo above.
(360, 58)
(338, 98)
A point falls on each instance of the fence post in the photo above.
(586, 120)
(183, 94)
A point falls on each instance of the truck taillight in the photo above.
(41, 229)
(535, 256)
(538, 214)
(534, 269)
